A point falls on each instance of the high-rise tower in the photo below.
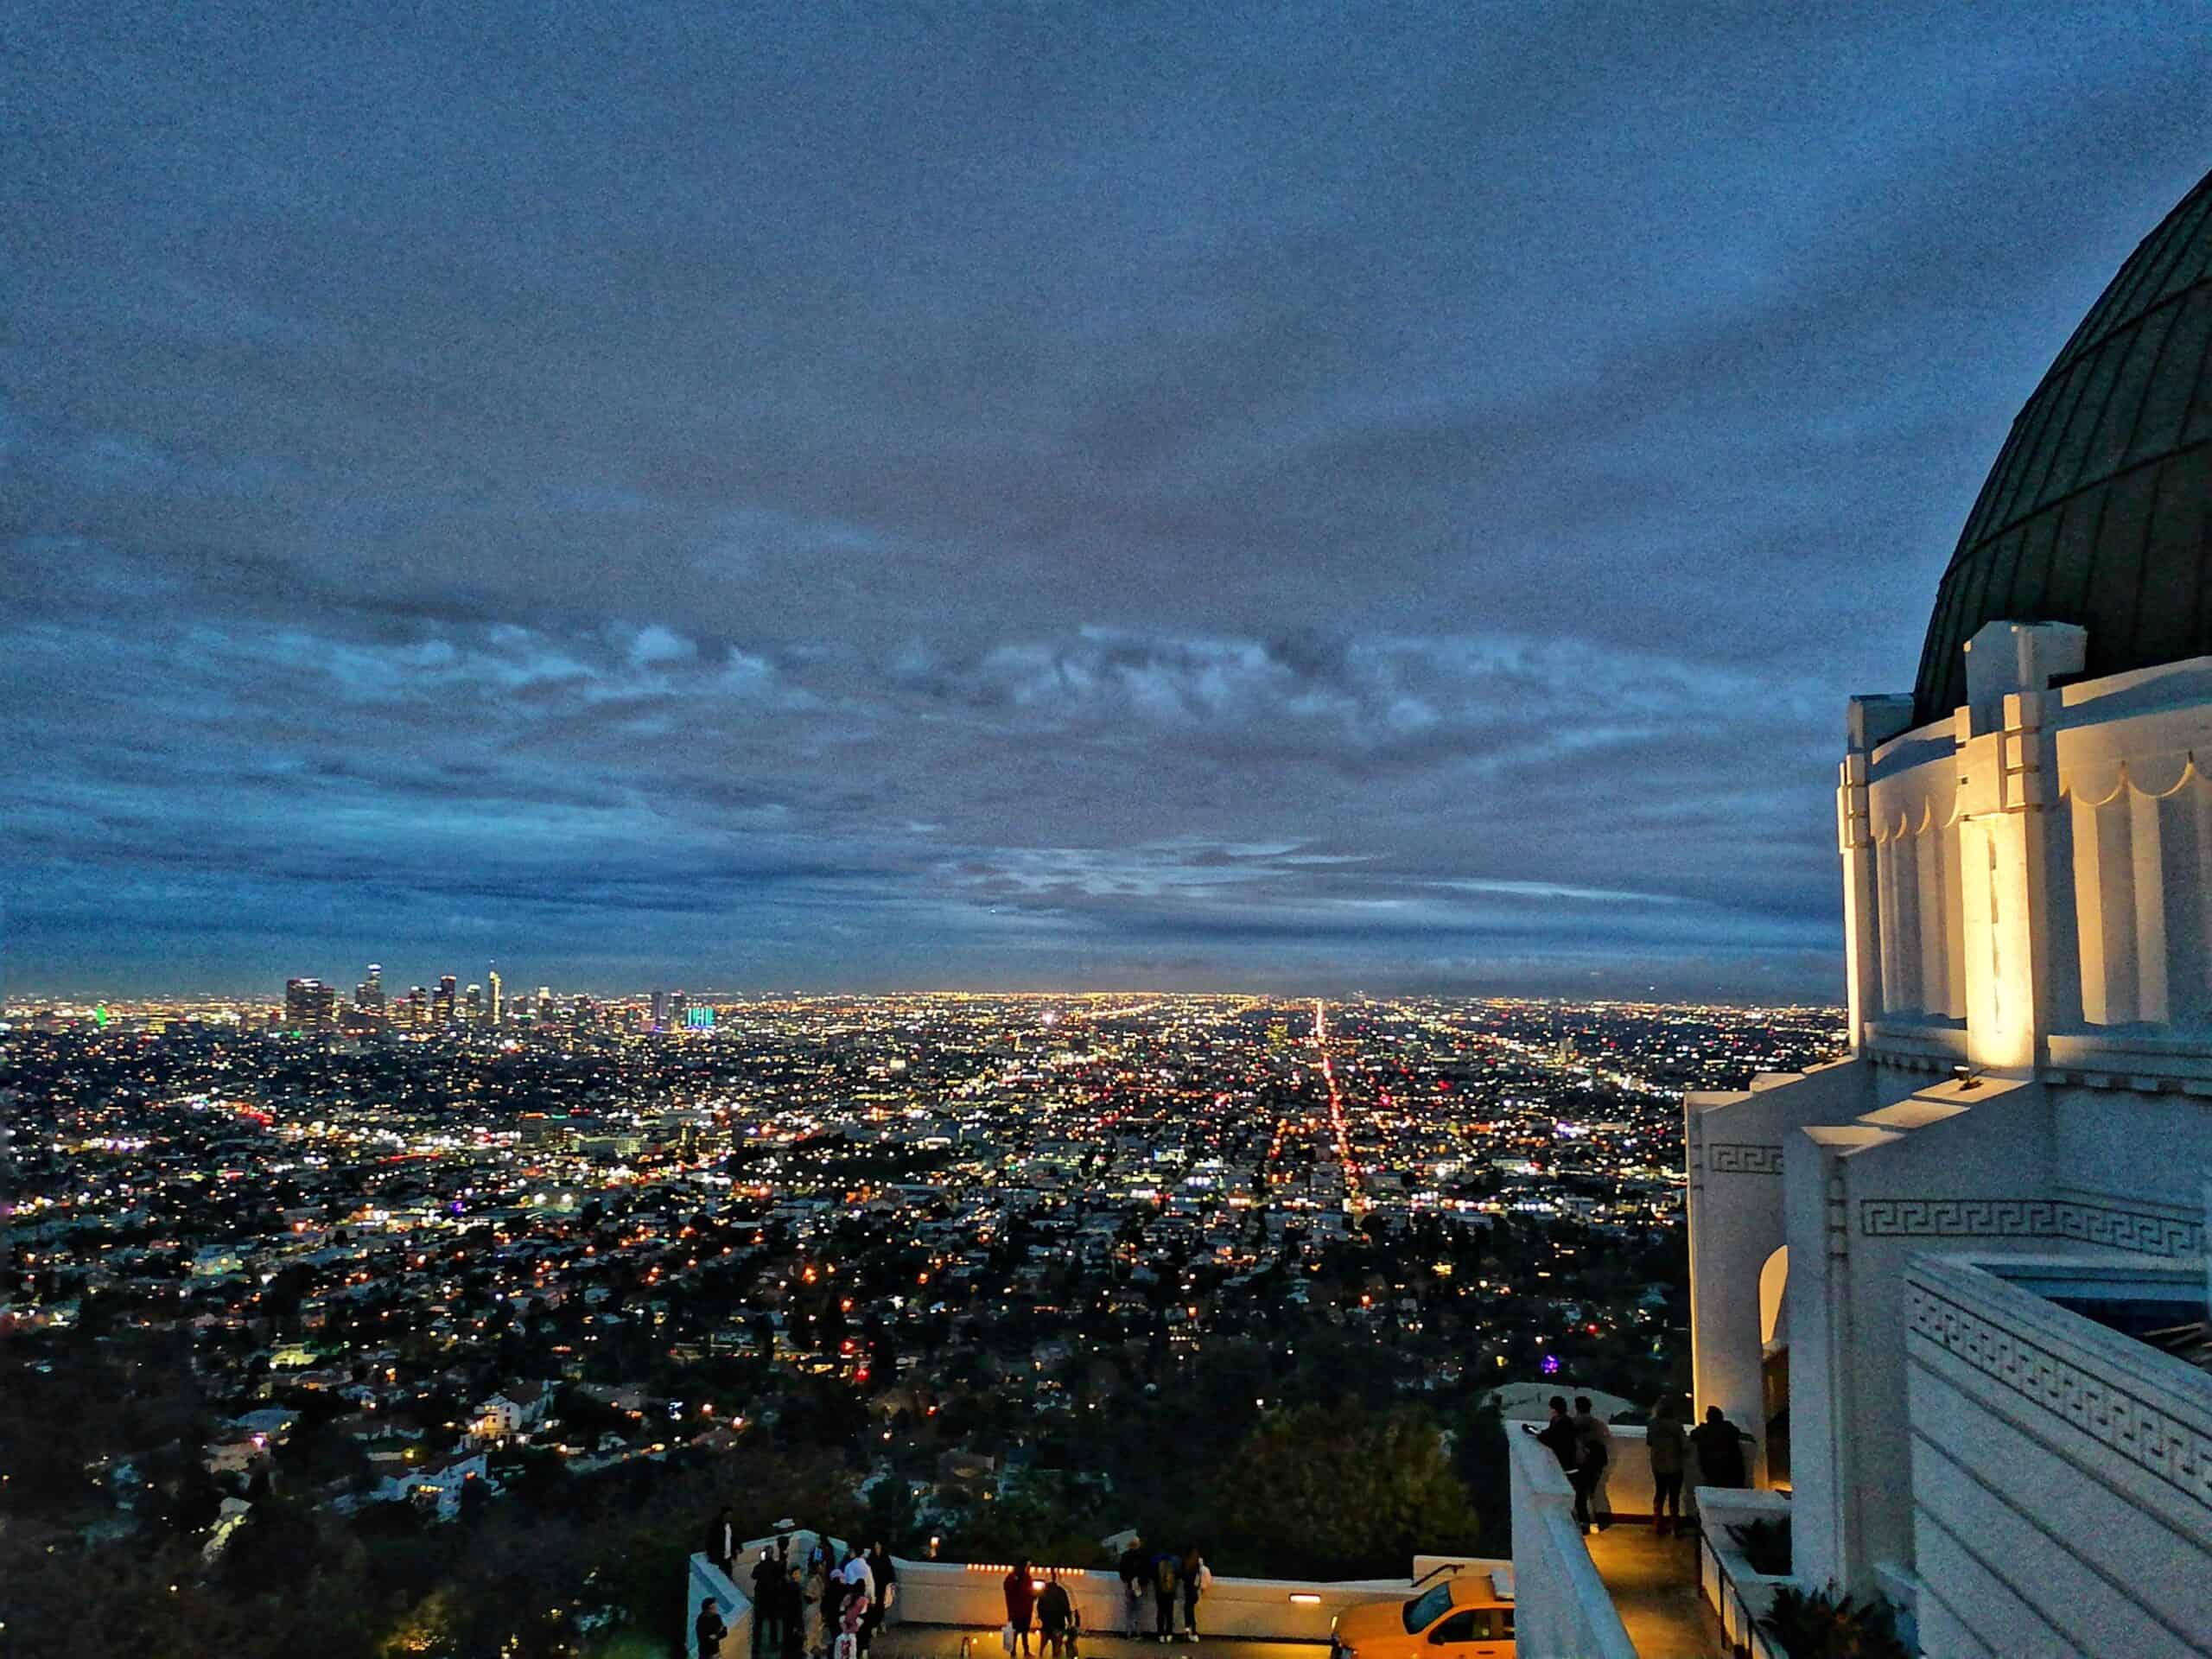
(309, 1005)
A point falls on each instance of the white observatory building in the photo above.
(1955, 1283)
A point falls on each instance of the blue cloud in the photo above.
(1280, 497)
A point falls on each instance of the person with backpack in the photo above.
(1166, 1578)
(1055, 1612)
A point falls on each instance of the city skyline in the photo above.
(1031, 500)
(41, 1002)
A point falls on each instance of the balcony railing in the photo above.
(1739, 1596)
(1561, 1607)
(970, 1595)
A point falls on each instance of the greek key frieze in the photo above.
(1743, 1158)
(2130, 1229)
(2087, 1224)
(1957, 1218)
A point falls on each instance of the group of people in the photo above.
(1157, 1587)
(829, 1606)
(1719, 1447)
(1583, 1445)
(1168, 1579)
(1047, 1600)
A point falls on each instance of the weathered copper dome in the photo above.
(2099, 510)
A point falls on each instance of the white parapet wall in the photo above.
(972, 1595)
(706, 1582)
(1628, 1470)
(1561, 1609)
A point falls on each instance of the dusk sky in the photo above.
(1303, 497)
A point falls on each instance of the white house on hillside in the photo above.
(517, 1409)
(437, 1486)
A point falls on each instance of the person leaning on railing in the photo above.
(1719, 1447)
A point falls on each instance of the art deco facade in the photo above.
(1933, 1277)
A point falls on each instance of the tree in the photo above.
(154, 1601)
(1342, 1492)
(1479, 1454)
(1049, 1519)
(888, 1514)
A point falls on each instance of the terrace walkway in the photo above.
(943, 1641)
(1653, 1584)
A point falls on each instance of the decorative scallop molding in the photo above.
(2154, 777)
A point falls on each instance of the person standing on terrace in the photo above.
(1020, 1602)
(1558, 1432)
(885, 1579)
(1055, 1612)
(709, 1630)
(814, 1590)
(1167, 1576)
(792, 1597)
(834, 1589)
(1720, 1445)
(1197, 1576)
(1589, 1430)
(767, 1605)
(1136, 1569)
(1669, 1448)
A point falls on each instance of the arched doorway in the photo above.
(1774, 1365)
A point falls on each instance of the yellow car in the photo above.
(1470, 1616)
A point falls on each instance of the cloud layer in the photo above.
(1006, 495)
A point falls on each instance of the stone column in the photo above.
(1868, 723)
(2022, 963)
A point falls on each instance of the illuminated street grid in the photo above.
(427, 1221)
